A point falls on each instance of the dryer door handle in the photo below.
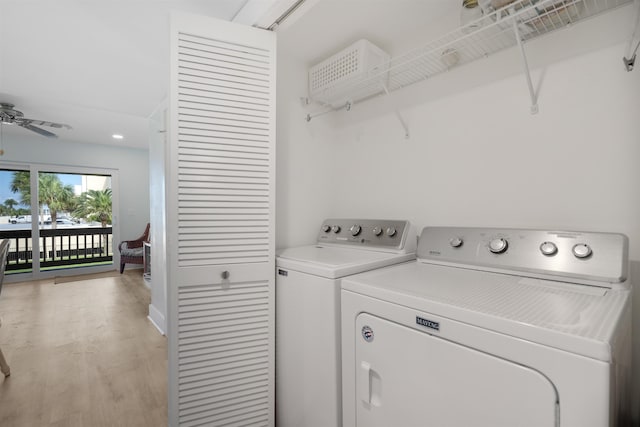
(364, 382)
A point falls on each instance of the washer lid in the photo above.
(335, 262)
(576, 318)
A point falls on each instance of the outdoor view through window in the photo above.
(72, 219)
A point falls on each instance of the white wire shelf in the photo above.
(495, 31)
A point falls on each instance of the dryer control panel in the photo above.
(373, 233)
(581, 257)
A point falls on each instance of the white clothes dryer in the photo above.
(308, 377)
(491, 327)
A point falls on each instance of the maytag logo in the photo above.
(428, 323)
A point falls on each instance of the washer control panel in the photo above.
(390, 234)
(586, 256)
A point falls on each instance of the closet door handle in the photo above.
(225, 275)
(364, 382)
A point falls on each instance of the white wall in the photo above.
(474, 146)
(131, 164)
(302, 161)
(479, 158)
(476, 157)
(158, 215)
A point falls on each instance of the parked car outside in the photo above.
(21, 219)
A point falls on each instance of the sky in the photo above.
(6, 177)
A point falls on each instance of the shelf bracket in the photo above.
(630, 59)
(347, 106)
(398, 116)
(532, 92)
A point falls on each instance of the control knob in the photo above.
(456, 242)
(391, 231)
(548, 248)
(498, 245)
(326, 228)
(336, 229)
(355, 229)
(377, 231)
(582, 250)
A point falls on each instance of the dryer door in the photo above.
(405, 377)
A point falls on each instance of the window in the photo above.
(71, 215)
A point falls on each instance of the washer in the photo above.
(308, 378)
(491, 327)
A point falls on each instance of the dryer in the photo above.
(308, 375)
(491, 327)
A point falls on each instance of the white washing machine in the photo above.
(308, 378)
(491, 327)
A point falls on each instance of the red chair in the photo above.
(131, 250)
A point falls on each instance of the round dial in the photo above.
(377, 231)
(391, 231)
(582, 250)
(548, 248)
(355, 229)
(498, 245)
(456, 242)
(326, 228)
(336, 228)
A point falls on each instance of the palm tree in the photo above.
(57, 196)
(21, 183)
(51, 192)
(95, 205)
(10, 205)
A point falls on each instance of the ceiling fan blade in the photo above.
(5, 118)
(24, 121)
(38, 130)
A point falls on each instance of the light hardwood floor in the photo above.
(82, 353)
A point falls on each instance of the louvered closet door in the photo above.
(220, 212)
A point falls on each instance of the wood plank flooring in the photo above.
(82, 353)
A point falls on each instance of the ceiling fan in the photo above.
(10, 116)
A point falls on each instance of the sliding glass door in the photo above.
(15, 219)
(62, 215)
(75, 226)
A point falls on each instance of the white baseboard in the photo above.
(157, 318)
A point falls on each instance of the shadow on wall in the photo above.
(634, 277)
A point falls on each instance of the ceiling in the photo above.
(102, 66)
(99, 66)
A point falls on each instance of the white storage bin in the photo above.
(329, 79)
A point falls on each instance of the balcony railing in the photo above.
(59, 247)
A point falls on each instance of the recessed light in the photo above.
(117, 136)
